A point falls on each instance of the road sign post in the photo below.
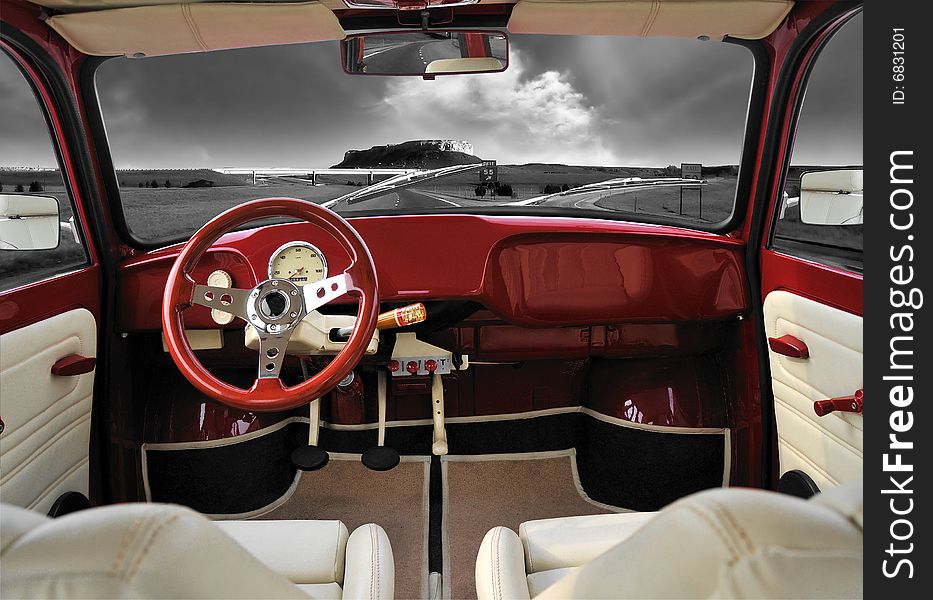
(691, 171)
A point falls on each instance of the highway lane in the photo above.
(403, 200)
(410, 58)
(657, 198)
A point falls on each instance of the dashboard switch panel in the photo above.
(418, 358)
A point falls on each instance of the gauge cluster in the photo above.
(299, 262)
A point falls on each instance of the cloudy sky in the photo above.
(597, 100)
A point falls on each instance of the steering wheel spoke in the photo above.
(272, 353)
(229, 300)
(319, 293)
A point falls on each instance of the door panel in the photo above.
(828, 448)
(47, 418)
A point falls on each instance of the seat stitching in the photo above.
(653, 13)
(192, 26)
(495, 567)
(84, 460)
(337, 576)
(124, 545)
(145, 551)
(374, 581)
(60, 408)
(727, 541)
(812, 464)
(51, 441)
(821, 427)
(799, 454)
(72, 335)
(732, 523)
(531, 558)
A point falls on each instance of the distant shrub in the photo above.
(480, 190)
(199, 183)
(168, 183)
(19, 188)
(504, 189)
(140, 184)
(35, 186)
(551, 189)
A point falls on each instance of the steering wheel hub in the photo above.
(275, 306)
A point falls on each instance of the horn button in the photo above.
(275, 306)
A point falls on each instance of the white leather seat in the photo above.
(724, 543)
(166, 551)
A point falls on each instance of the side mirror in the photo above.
(831, 197)
(425, 53)
(28, 222)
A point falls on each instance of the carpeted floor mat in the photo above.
(397, 500)
(481, 492)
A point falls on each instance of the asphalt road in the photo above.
(410, 58)
(403, 200)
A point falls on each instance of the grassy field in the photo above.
(126, 177)
(160, 213)
(709, 203)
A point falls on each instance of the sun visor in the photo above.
(181, 28)
(748, 19)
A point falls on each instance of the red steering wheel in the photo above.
(274, 308)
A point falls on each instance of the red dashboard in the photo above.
(537, 272)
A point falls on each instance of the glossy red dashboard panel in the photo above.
(529, 271)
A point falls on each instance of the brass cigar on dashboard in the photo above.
(392, 319)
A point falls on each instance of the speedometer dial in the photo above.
(299, 262)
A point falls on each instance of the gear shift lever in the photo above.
(381, 457)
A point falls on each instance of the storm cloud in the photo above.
(537, 118)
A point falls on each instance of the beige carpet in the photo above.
(397, 500)
(480, 494)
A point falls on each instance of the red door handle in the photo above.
(851, 404)
(73, 364)
(790, 346)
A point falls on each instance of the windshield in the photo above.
(577, 126)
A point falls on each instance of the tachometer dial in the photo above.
(299, 262)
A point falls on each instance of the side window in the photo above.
(39, 236)
(820, 216)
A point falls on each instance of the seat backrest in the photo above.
(128, 551)
(734, 543)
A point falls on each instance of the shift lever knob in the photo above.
(392, 319)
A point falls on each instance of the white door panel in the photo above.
(44, 447)
(828, 448)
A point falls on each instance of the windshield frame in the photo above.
(754, 113)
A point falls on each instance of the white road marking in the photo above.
(377, 52)
(435, 197)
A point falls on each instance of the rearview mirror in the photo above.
(28, 222)
(425, 53)
(831, 197)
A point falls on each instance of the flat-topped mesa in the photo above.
(412, 154)
(444, 145)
